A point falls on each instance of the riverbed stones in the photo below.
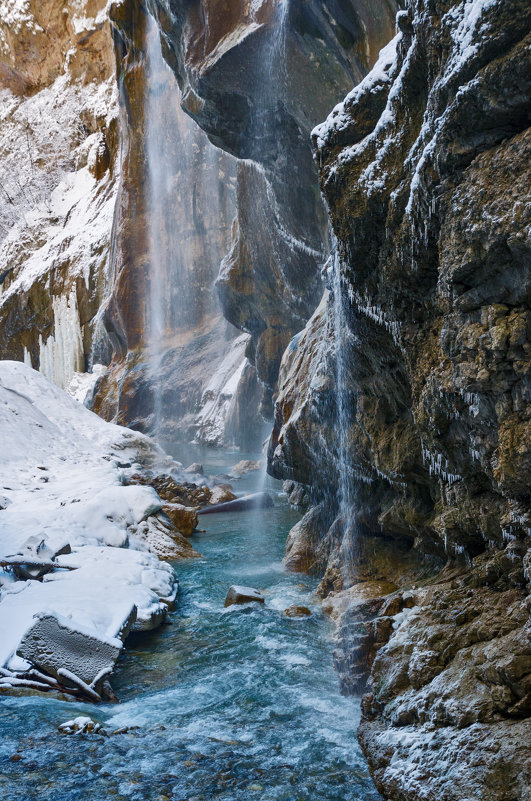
(243, 595)
(82, 724)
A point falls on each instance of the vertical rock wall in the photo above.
(257, 77)
(75, 261)
(176, 235)
(425, 170)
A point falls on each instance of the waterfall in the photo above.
(342, 349)
(270, 91)
(157, 178)
(189, 208)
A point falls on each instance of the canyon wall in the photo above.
(77, 260)
(172, 226)
(397, 376)
(425, 169)
(59, 161)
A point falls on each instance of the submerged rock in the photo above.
(297, 611)
(243, 595)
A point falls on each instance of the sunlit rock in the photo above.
(184, 518)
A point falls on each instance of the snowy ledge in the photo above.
(63, 499)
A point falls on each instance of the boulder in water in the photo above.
(72, 655)
(184, 518)
(297, 611)
(258, 500)
(243, 595)
(195, 469)
(222, 493)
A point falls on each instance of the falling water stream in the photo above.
(342, 349)
(190, 204)
(159, 188)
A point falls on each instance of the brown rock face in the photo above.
(172, 228)
(184, 518)
(424, 167)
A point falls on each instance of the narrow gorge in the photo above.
(286, 243)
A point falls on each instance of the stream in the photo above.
(231, 704)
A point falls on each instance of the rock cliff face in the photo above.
(58, 169)
(87, 186)
(425, 170)
(172, 227)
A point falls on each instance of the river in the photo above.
(229, 704)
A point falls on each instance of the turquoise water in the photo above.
(235, 704)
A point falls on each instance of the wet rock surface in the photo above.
(257, 500)
(297, 611)
(423, 167)
(184, 518)
(243, 595)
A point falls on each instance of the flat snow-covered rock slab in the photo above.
(243, 595)
(61, 649)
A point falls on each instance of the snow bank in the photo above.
(61, 478)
